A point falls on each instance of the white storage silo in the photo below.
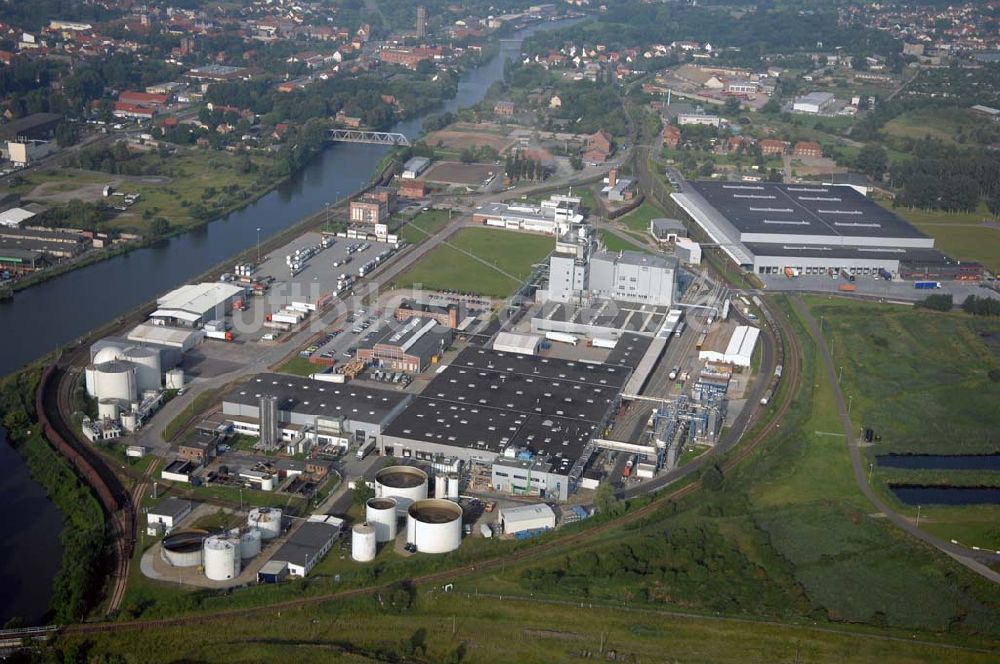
(115, 380)
(249, 543)
(440, 486)
(175, 379)
(90, 379)
(222, 558)
(363, 543)
(381, 515)
(107, 409)
(147, 367)
(107, 354)
(452, 493)
(267, 483)
(404, 483)
(434, 525)
(130, 421)
(267, 520)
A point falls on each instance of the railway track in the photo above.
(792, 374)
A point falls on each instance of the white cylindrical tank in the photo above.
(249, 543)
(107, 409)
(267, 520)
(147, 367)
(175, 379)
(115, 380)
(90, 379)
(267, 483)
(222, 558)
(440, 486)
(363, 543)
(452, 493)
(381, 515)
(434, 525)
(404, 483)
(130, 422)
(107, 354)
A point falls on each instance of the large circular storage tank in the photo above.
(222, 558)
(90, 379)
(183, 548)
(107, 354)
(175, 379)
(434, 525)
(363, 543)
(404, 483)
(115, 380)
(267, 520)
(108, 409)
(452, 487)
(381, 515)
(249, 543)
(147, 367)
(440, 486)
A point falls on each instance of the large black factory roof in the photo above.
(802, 209)
(313, 397)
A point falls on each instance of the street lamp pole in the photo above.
(258, 245)
(850, 401)
(918, 516)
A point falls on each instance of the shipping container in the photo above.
(562, 337)
(925, 285)
(219, 334)
(847, 288)
(885, 274)
(847, 275)
(790, 272)
(598, 342)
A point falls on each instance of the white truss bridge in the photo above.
(374, 137)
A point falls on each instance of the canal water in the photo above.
(940, 461)
(30, 552)
(57, 311)
(946, 495)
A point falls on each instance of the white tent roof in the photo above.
(14, 216)
(175, 313)
(199, 298)
(516, 343)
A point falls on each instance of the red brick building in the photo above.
(671, 136)
(772, 146)
(412, 189)
(447, 315)
(598, 147)
(807, 149)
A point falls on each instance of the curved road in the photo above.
(970, 559)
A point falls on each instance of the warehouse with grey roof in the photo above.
(810, 228)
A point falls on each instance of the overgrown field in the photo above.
(922, 381)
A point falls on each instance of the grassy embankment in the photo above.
(941, 123)
(920, 379)
(478, 260)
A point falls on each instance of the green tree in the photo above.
(873, 161)
(362, 492)
(712, 478)
(732, 105)
(607, 502)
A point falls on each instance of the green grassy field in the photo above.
(424, 225)
(613, 242)
(941, 123)
(479, 260)
(920, 380)
(961, 235)
(638, 219)
(300, 366)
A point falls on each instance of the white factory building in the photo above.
(165, 516)
(526, 517)
(554, 216)
(739, 350)
(193, 304)
(815, 103)
(577, 270)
